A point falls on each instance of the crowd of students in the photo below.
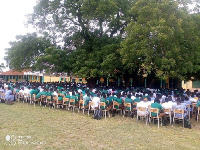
(138, 97)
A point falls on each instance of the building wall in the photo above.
(191, 85)
(34, 78)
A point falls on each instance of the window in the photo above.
(196, 84)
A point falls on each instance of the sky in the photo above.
(12, 15)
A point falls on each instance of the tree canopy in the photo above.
(162, 38)
(97, 38)
(25, 50)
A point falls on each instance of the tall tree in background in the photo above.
(25, 50)
(161, 39)
(2, 66)
(96, 38)
(91, 31)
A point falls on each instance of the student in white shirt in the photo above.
(144, 104)
(96, 101)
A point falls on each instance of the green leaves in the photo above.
(25, 50)
(111, 38)
(156, 40)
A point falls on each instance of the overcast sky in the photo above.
(12, 15)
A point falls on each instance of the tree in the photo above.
(24, 51)
(161, 38)
(2, 66)
(92, 34)
(67, 18)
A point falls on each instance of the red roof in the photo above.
(12, 72)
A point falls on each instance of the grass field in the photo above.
(41, 128)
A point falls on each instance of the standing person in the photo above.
(9, 96)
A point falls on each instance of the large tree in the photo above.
(101, 38)
(91, 31)
(23, 52)
(161, 39)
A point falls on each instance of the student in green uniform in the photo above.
(41, 93)
(86, 100)
(67, 95)
(120, 101)
(162, 114)
(74, 97)
(33, 91)
(129, 100)
(103, 99)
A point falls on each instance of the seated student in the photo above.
(27, 91)
(60, 97)
(192, 99)
(198, 105)
(77, 95)
(103, 99)
(144, 104)
(137, 99)
(17, 89)
(67, 95)
(74, 97)
(188, 102)
(91, 93)
(9, 96)
(22, 90)
(41, 93)
(152, 97)
(64, 91)
(114, 96)
(156, 104)
(120, 101)
(96, 101)
(168, 105)
(1, 96)
(133, 96)
(180, 106)
(50, 93)
(85, 94)
(34, 91)
(129, 100)
(86, 100)
(109, 98)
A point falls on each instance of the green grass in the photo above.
(60, 129)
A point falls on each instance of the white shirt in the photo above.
(168, 105)
(96, 101)
(144, 105)
(85, 96)
(27, 91)
(21, 91)
(79, 90)
(55, 94)
(193, 100)
(133, 97)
